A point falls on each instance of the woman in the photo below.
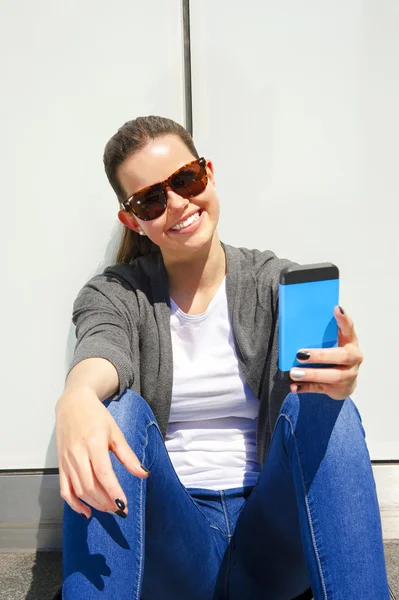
(172, 405)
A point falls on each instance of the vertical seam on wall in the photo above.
(188, 98)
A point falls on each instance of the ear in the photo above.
(128, 220)
(210, 171)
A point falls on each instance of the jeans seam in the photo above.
(146, 443)
(307, 506)
(229, 536)
(141, 517)
(227, 580)
(225, 513)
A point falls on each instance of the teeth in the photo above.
(187, 222)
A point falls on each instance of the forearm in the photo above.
(96, 374)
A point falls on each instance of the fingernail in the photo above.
(342, 310)
(83, 515)
(120, 504)
(145, 469)
(297, 373)
(121, 514)
(303, 355)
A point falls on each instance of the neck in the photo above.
(197, 271)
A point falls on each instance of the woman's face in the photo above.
(153, 164)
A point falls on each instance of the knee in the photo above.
(131, 412)
(351, 418)
(316, 425)
(290, 407)
(314, 407)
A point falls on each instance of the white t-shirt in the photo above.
(211, 436)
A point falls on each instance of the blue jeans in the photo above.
(311, 520)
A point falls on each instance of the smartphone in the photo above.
(307, 297)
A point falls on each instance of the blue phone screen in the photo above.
(306, 319)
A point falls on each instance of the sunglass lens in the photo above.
(150, 204)
(189, 181)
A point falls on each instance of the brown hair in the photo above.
(129, 139)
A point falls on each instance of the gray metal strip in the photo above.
(188, 98)
(30, 512)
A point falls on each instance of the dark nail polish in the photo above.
(342, 310)
(120, 513)
(145, 469)
(83, 515)
(303, 355)
(120, 504)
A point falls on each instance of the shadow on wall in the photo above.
(109, 259)
(46, 572)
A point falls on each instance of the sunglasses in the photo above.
(150, 203)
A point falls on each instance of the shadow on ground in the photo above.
(37, 576)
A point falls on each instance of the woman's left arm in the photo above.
(337, 382)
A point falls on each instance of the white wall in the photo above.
(71, 74)
(297, 104)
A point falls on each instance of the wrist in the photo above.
(75, 393)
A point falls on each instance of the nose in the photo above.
(176, 203)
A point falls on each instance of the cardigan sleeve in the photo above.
(278, 389)
(104, 326)
(273, 389)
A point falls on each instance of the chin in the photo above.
(194, 242)
(200, 241)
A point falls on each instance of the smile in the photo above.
(187, 222)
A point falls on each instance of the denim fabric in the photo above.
(311, 520)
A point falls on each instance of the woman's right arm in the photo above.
(86, 432)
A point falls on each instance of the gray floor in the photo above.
(26, 576)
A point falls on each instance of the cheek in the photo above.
(211, 205)
(213, 201)
(156, 229)
(210, 197)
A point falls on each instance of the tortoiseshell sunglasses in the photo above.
(150, 203)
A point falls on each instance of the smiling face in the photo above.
(155, 163)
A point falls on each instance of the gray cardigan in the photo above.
(123, 315)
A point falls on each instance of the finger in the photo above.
(335, 393)
(102, 468)
(68, 494)
(125, 454)
(346, 334)
(86, 488)
(346, 355)
(338, 375)
(296, 387)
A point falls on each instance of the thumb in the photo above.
(125, 454)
